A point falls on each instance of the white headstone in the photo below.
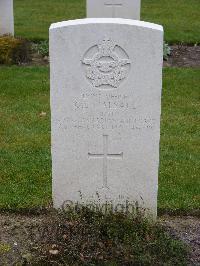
(129, 9)
(106, 79)
(6, 17)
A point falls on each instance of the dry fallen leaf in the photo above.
(42, 114)
(82, 257)
(65, 236)
(53, 251)
(70, 223)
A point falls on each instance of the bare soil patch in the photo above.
(186, 229)
(184, 56)
(38, 60)
(22, 236)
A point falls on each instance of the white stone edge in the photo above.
(120, 21)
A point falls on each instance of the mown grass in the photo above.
(179, 186)
(25, 179)
(179, 18)
(25, 176)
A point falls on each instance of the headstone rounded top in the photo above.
(106, 21)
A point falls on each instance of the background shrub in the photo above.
(14, 50)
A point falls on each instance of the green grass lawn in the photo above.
(25, 177)
(179, 186)
(179, 18)
(24, 137)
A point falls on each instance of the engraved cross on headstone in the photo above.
(105, 156)
(114, 4)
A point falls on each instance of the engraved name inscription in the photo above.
(109, 101)
(106, 111)
(108, 122)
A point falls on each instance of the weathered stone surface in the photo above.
(129, 9)
(106, 79)
(6, 17)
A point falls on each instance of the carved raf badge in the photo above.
(106, 65)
